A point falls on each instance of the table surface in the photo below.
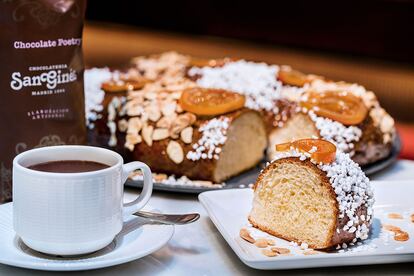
(199, 249)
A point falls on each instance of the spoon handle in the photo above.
(169, 219)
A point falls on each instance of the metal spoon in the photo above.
(169, 219)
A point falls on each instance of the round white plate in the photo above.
(137, 239)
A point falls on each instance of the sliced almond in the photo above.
(122, 125)
(175, 152)
(160, 134)
(174, 132)
(154, 113)
(132, 140)
(134, 125)
(401, 236)
(150, 95)
(147, 131)
(280, 250)
(270, 242)
(129, 146)
(187, 135)
(137, 97)
(144, 117)
(395, 216)
(181, 122)
(191, 118)
(158, 177)
(165, 122)
(391, 228)
(176, 95)
(134, 108)
(269, 253)
(310, 252)
(245, 235)
(261, 243)
(179, 109)
(168, 108)
(162, 95)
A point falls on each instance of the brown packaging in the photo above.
(41, 78)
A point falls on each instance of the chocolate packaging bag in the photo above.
(41, 78)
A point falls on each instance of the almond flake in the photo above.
(269, 253)
(191, 118)
(175, 152)
(160, 134)
(144, 117)
(132, 140)
(134, 125)
(153, 112)
(245, 235)
(391, 228)
(187, 135)
(401, 236)
(182, 121)
(165, 122)
(122, 125)
(168, 108)
(261, 243)
(280, 250)
(158, 177)
(147, 134)
(134, 108)
(135, 97)
(179, 109)
(395, 216)
(162, 95)
(310, 252)
(176, 95)
(150, 96)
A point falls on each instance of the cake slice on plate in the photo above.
(313, 194)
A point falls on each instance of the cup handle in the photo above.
(141, 201)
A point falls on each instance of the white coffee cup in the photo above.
(72, 213)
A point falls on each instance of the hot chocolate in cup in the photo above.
(71, 213)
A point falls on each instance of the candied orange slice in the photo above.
(320, 150)
(292, 77)
(343, 107)
(201, 62)
(123, 85)
(209, 102)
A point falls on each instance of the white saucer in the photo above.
(137, 239)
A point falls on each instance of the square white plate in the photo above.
(228, 209)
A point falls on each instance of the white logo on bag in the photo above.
(51, 79)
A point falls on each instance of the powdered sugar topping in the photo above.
(213, 137)
(343, 137)
(353, 190)
(257, 81)
(94, 95)
(172, 180)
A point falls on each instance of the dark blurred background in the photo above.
(380, 29)
(370, 42)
